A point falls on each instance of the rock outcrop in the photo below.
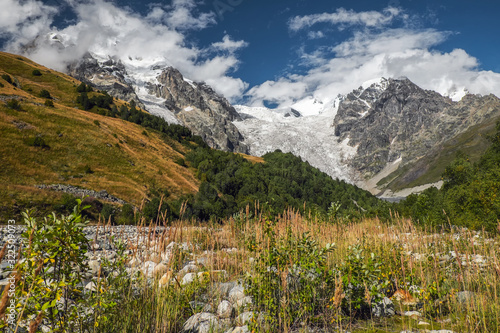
(395, 121)
(108, 76)
(201, 109)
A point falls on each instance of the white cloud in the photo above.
(180, 16)
(24, 17)
(315, 34)
(229, 45)
(345, 17)
(374, 53)
(142, 41)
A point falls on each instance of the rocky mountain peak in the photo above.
(109, 75)
(402, 122)
(201, 109)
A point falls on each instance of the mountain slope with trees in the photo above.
(470, 195)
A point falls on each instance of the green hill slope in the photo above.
(65, 145)
(56, 130)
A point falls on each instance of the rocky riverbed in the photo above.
(225, 307)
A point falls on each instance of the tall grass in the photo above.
(431, 268)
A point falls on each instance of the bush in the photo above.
(108, 213)
(49, 103)
(14, 104)
(36, 72)
(291, 282)
(87, 169)
(180, 161)
(54, 274)
(67, 202)
(1, 85)
(37, 141)
(45, 94)
(126, 215)
(7, 78)
(97, 123)
(84, 88)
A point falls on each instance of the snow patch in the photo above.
(191, 83)
(310, 137)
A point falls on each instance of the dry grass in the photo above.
(253, 159)
(125, 161)
(429, 267)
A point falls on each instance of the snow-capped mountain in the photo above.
(363, 137)
(371, 135)
(310, 137)
(163, 91)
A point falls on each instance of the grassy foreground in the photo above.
(302, 274)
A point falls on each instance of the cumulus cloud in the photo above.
(343, 17)
(103, 28)
(180, 16)
(25, 18)
(373, 53)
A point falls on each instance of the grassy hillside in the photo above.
(57, 130)
(79, 148)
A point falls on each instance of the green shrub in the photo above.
(363, 281)
(14, 104)
(108, 213)
(1, 85)
(291, 281)
(49, 103)
(7, 78)
(45, 94)
(126, 215)
(97, 123)
(84, 88)
(67, 202)
(36, 72)
(180, 161)
(37, 141)
(54, 274)
(87, 169)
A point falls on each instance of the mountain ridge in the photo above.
(352, 137)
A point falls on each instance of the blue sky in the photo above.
(276, 52)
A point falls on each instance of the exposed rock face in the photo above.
(194, 105)
(201, 109)
(395, 119)
(108, 76)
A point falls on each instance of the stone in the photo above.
(165, 279)
(188, 278)
(241, 329)
(202, 322)
(94, 266)
(247, 300)
(91, 286)
(189, 268)
(412, 314)
(235, 294)
(384, 308)
(148, 268)
(111, 255)
(465, 297)
(225, 287)
(244, 318)
(160, 269)
(423, 323)
(225, 309)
